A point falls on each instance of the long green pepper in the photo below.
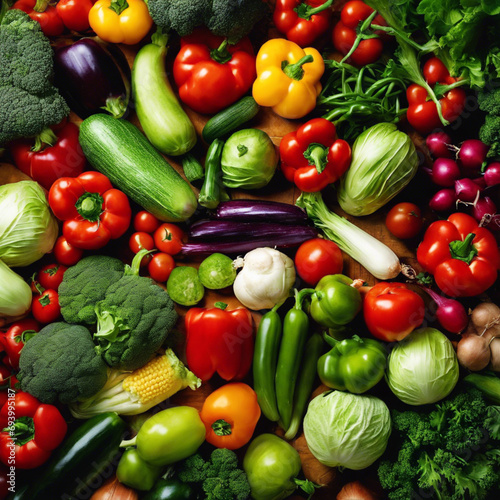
(295, 331)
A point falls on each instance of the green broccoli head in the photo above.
(134, 320)
(489, 133)
(85, 284)
(60, 364)
(29, 103)
(489, 101)
(229, 18)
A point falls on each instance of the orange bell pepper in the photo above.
(120, 21)
(288, 78)
(230, 415)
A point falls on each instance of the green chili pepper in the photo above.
(355, 364)
(295, 330)
(265, 358)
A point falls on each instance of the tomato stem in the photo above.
(222, 428)
(305, 11)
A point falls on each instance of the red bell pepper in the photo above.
(353, 36)
(75, 13)
(219, 341)
(63, 157)
(31, 431)
(422, 113)
(212, 74)
(302, 22)
(44, 13)
(462, 256)
(312, 157)
(92, 210)
(13, 339)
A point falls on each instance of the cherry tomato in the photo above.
(45, 306)
(146, 222)
(51, 275)
(139, 241)
(75, 13)
(392, 311)
(435, 71)
(404, 220)
(316, 258)
(65, 253)
(160, 266)
(453, 103)
(168, 238)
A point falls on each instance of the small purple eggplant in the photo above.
(93, 78)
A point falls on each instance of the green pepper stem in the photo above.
(22, 430)
(316, 154)
(126, 443)
(300, 296)
(46, 137)
(41, 5)
(221, 54)
(305, 11)
(160, 37)
(296, 71)
(221, 427)
(464, 250)
(118, 6)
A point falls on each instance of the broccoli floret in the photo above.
(29, 103)
(60, 364)
(489, 101)
(229, 18)
(220, 477)
(85, 284)
(133, 321)
(489, 133)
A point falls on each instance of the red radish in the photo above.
(466, 189)
(439, 145)
(472, 154)
(484, 208)
(445, 172)
(492, 174)
(450, 313)
(444, 200)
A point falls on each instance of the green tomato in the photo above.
(170, 435)
(136, 473)
(271, 465)
(217, 271)
(249, 159)
(184, 286)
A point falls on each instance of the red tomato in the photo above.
(316, 258)
(51, 275)
(168, 238)
(75, 13)
(45, 307)
(139, 241)
(65, 253)
(146, 222)
(392, 311)
(160, 266)
(404, 220)
(435, 71)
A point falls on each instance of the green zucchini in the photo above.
(82, 462)
(229, 119)
(162, 118)
(120, 151)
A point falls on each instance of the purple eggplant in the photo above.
(221, 229)
(263, 210)
(92, 78)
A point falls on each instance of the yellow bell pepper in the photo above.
(288, 78)
(120, 21)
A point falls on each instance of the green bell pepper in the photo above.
(272, 465)
(134, 472)
(335, 302)
(169, 436)
(354, 365)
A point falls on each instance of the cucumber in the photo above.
(120, 151)
(162, 118)
(83, 461)
(229, 119)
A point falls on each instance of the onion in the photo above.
(466, 189)
(444, 200)
(495, 354)
(486, 316)
(472, 154)
(445, 172)
(439, 144)
(355, 490)
(450, 313)
(473, 352)
(492, 174)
